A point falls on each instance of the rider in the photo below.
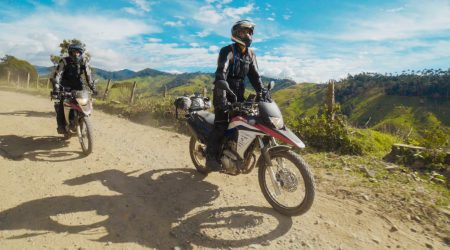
(236, 61)
(69, 74)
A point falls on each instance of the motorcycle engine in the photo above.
(230, 160)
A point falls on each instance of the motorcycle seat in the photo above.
(207, 116)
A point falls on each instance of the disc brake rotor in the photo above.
(288, 180)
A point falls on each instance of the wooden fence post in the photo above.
(28, 81)
(330, 99)
(107, 89)
(132, 93)
(9, 77)
(48, 82)
(165, 91)
(37, 81)
(18, 80)
(205, 91)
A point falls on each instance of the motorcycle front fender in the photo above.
(293, 139)
(266, 152)
(285, 135)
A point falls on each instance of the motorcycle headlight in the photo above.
(83, 101)
(277, 122)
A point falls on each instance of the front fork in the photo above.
(266, 156)
(67, 109)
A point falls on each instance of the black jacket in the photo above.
(69, 73)
(233, 66)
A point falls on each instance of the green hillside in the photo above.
(16, 68)
(417, 119)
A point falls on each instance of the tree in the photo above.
(17, 67)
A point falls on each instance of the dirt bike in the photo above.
(284, 177)
(77, 111)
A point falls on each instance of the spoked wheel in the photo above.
(197, 150)
(288, 184)
(84, 132)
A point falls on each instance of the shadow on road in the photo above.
(149, 210)
(30, 113)
(36, 148)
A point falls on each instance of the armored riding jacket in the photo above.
(233, 66)
(70, 71)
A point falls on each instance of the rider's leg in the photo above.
(59, 108)
(216, 135)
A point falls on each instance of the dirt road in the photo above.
(138, 189)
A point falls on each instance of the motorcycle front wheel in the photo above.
(288, 185)
(197, 150)
(84, 132)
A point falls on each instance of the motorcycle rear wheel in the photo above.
(85, 136)
(198, 155)
(288, 183)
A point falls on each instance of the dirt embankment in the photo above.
(139, 190)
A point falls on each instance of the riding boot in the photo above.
(213, 147)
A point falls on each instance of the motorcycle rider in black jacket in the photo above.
(236, 61)
(68, 73)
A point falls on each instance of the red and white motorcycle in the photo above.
(284, 177)
(77, 111)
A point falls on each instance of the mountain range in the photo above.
(176, 80)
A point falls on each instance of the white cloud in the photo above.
(208, 15)
(417, 19)
(306, 70)
(219, 19)
(144, 5)
(141, 7)
(203, 33)
(154, 40)
(213, 48)
(36, 36)
(236, 13)
(133, 11)
(178, 23)
(173, 57)
(271, 19)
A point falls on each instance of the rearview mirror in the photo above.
(271, 85)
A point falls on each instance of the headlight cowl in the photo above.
(277, 122)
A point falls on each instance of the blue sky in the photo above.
(301, 40)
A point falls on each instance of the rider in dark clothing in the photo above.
(236, 61)
(69, 74)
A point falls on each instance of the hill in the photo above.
(16, 68)
(153, 81)
(414, 107)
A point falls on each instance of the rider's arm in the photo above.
(253, 75)
(223, 63)
(88, 74)
(57, 74)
